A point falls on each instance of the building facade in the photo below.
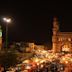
(61, 41)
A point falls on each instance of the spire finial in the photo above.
(55, 18)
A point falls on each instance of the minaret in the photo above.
(54, 37)
(0, 38)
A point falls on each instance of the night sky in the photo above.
(36, 25)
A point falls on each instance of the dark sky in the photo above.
(33, 24)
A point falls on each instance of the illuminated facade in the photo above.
(61, 41)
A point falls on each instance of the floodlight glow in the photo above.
(8, 20)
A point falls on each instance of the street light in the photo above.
(7, 21)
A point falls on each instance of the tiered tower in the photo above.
(54, 37)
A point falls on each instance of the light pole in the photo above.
(7, 21)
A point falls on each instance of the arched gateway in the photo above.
(61, 41)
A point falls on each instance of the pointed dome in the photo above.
(55, 20)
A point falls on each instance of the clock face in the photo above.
(0, 34)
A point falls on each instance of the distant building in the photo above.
(61, 41)
(32, 47)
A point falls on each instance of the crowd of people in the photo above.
(44, 61)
